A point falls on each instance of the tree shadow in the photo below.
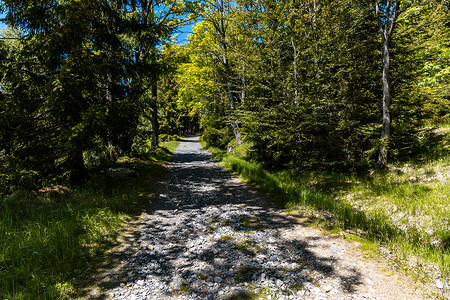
(211, 236)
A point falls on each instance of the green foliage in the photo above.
(77, 79)
(306, 81)
(300, 81)
(175, 119)
(316, 107)
(217, 137)
(425, 22)
(52, 242)
(60, 69)
(47, 243)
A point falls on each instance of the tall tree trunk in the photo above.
(109, 101)
(141, 55)
(220, 24)
(154, 118)
(154, 102)
(295, 66)
(234, 125)
(386, 133)
(316, 39)
(386, 17)
(244, 86)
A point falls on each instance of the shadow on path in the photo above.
(210, 236)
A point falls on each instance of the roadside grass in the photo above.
(50, 245)
(402, 213)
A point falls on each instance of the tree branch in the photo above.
(379, 21)
(394, 19)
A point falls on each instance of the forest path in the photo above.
(211, 236)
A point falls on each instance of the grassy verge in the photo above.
(49, 243)
(403, 211)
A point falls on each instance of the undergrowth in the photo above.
(50, 244)
(404, 209)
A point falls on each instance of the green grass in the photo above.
(49, 246)
(45, 245)
(245, 295)
(252, 222)
(244, 274)
(405, 208)
(166, 151)
(245, 247)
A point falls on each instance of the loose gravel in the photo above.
(211, 236)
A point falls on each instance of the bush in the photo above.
(218, 138)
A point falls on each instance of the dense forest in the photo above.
(338, 109)
(342, 85)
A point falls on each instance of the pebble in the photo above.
(441, 284)
(197, 245)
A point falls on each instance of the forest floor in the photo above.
(208, 235)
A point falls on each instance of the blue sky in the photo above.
(182, 35)
(184, 32)
(2, 25)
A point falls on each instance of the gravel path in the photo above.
(211, 236)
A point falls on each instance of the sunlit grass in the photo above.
(45, 245)
(405, 209)
(165, 153)
(411, 196)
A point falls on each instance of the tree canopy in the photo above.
(307, 84)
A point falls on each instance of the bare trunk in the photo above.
(386, 25)
(154, 118)
(221, 25)
(234, 125)
(295, 66)
(147, 9)
(244, 86)
(385, 136)
(316, 39)
(109, 101)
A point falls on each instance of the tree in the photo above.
(201, 86)
(79, 79)
(218, 14)
(387, 12)
(67, 87)
(429, 27)
(150, 23)
(311, 95)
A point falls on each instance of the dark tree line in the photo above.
(79, 80)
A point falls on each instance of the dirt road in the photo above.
(211, 236)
